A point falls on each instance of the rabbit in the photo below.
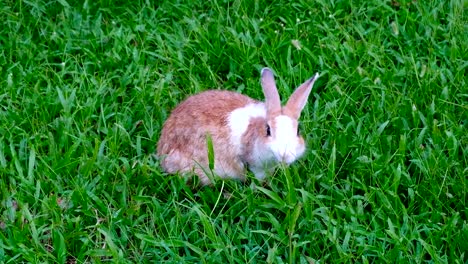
(245, 133)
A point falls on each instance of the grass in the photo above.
(86, 85)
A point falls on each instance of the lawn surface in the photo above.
(85, 87)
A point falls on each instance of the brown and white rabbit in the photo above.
(244, 132)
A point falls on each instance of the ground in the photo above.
(86, 85)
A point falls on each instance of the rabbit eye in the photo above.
(298, 130)
(268, 131)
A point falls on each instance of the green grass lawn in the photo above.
(85, 87)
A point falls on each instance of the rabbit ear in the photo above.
(298, 99)
(272, 98)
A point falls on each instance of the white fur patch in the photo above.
(239, 120)
(285, 145)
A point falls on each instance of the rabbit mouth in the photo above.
(286, 158)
